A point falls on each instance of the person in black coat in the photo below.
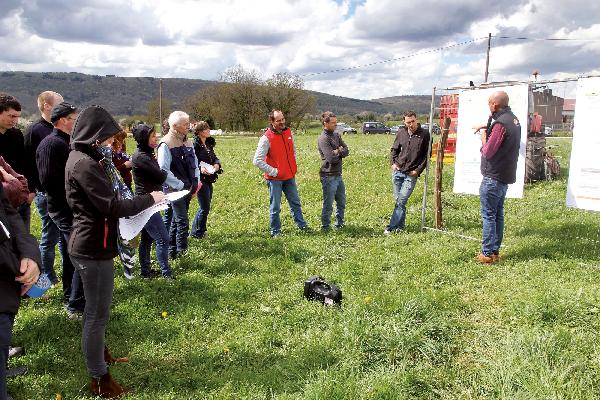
(94, 197)
(204, 147)
(19, 269)
(148, 177)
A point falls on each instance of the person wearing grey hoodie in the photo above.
(97, 206)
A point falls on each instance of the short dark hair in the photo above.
(272, 114)
(410, 113)
(7, 102)
(326, 117)
(201, 126)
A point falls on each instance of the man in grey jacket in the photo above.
(332, 150)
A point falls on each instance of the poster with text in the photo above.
(473, 111)
(583, 189)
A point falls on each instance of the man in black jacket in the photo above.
(11, 146)
(34, 134)
(51, 159)
(408, 158)
(19, 269)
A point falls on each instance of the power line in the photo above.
(397, 58)
(438, 49)
(546, 39)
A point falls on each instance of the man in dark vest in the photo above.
(499, 155)
(276, 158)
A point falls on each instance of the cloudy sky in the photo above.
(200, 39)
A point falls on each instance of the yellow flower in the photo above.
(226, 350)
(164, 314)
(368, 299)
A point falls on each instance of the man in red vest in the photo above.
(276, 158)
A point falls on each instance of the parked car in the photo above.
(374, 127)
(394, 129)
(343, 128)
(435, 128)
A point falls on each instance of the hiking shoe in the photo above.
(496, 257)
(483, 259)
(15, 351)
(74, 314)
(150, 275)
(16, 371)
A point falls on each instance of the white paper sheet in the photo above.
(209, 168)
(129, 227)
(473, 111)
(583, 189)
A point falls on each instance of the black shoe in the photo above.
(16, 371)
(169, 276)
(74, 314)
(15, 351)
(150, 275)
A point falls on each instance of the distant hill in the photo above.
(126, 96)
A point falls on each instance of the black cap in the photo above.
(62, 110)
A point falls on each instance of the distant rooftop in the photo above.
(569, 105)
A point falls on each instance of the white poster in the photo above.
(583, 189)
(473, 110)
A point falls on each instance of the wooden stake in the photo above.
(439, 168)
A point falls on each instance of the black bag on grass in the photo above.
(316, 288)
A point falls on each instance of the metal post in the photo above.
(160, 117)
(487, 58)
(424, 205)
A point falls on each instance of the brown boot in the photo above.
(106, 387)
(109, 359)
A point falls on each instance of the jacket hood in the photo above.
(93, 126)
(141, 133)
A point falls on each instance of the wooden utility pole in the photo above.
(439, 168)
(487, 58)
(160, 117)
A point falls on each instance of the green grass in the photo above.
(420, 319)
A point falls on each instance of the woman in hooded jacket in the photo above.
(148, 177)
(97, 205)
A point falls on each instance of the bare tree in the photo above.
(286, 92)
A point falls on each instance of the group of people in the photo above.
(72, 164)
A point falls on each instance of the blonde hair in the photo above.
(46, 97)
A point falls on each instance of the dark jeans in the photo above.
(49, 238)
(98, 282)
(491, 196)
(72, 286)
(6, 324)
(178, 224)
(155, 230)
(204, 198)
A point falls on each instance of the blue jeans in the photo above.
(288, 187)
(155, 230)
(333, 188)
(204, 199)
(72, 286)
(491, 195)
(6, 324)
(178, 225)
(49, 239)
(402, 186)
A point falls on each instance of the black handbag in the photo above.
(316, 288)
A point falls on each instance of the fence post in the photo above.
(439, 169)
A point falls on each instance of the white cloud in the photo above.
(200, 39)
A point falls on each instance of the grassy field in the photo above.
(420, 319)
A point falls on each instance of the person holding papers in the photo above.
(210, 166)
(148, 177)
(97, 205)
